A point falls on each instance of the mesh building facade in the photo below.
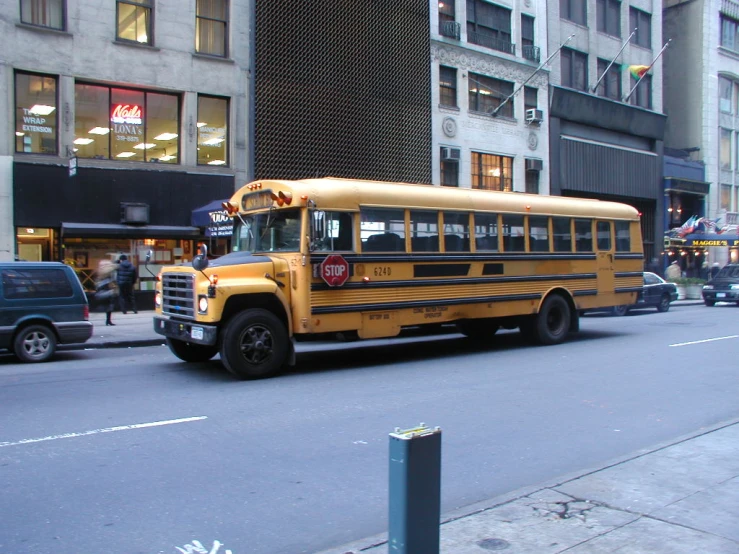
(342, 88)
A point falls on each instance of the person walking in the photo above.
(673, 271)
(715, 268)
(126, 278)
(105, 289)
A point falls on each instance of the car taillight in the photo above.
(86, 312)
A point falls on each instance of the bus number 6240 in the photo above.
(382, 271)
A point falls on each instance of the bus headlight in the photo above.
(158, 299)
(203, 304)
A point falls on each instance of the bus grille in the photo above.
(178, 295)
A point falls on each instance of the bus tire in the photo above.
(553, 320)
(191, 352)
(620, 311)
(477, 329)
(254, 344)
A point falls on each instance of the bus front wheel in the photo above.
(191, 352)
(254, 344)
(553, 320)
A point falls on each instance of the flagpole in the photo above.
(626, 98)
(545, 62)
(614, 59)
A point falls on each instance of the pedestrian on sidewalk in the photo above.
(126, 279)
(673, 271)
(105, 289)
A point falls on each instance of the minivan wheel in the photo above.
(35, 343)
(664, 303)
(709, 303)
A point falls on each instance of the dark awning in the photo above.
(213, 218)
(711, 239)
(112, 230)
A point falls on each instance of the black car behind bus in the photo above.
(724, 287)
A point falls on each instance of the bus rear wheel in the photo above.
(254, 344)
(190, 352)
(553, 320)
(477, 329)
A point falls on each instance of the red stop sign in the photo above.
(334, 270)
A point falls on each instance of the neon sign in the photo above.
(126, 113)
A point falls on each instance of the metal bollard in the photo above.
(415, 491)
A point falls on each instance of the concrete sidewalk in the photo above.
(680, 497)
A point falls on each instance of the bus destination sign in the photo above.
(257, 200)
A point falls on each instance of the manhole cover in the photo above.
(493, 544)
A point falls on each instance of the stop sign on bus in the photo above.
(335, 270)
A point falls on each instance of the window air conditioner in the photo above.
(534, 116)
(134, 213)
(534, 164)
(451, 154)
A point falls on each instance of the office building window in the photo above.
(608, 17)
(447, 86)
(610, 83)
(530, 98)
(725, 148)
(125, 124)
(642, 22)
(449, 169)
(729, 32)
(528, 50)
(44, 13)
(35, 114)
(212, 130)
(134, 18)
(574, 69)
(642, 96)
(211, 27)
(726, 197)
(725, 88)
(486, 94)
(532, 182)
(490, 172)
(489, 25)
(574, 10)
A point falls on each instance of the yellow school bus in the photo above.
(368, 259)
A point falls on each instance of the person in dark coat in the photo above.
(126, 279)
(715, 268)
(105, 289)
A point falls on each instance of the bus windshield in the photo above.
(273, 231)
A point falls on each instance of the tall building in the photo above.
(606, 138)
(484, 136)
(702, 105)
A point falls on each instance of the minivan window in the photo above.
(35, 283)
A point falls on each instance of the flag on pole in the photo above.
(638, 71)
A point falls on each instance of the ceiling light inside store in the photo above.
(19, 134)
(167, 158)
(144, 145)
(126, 154)
(213, 142)
(99, 131)
(201, 124)
(166, 136)
(83, 141)
(217, 162)
(41, 109)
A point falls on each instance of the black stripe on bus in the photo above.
(440, 282)
(628, 289)
(441, 270)
(402, 257)
(628, 274)
(492, 269)
(421, 304)
(628, 256)
(588, 292)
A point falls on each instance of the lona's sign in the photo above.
(126, 113)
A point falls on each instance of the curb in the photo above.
(374, 541)
(112, 344)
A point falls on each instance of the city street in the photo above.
(129, 450)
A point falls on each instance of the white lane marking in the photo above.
(196, 547)
(105, 430)
(704, 340)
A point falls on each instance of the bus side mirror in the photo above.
(200, 262)
(317, 227)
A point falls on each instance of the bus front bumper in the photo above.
(186, 331)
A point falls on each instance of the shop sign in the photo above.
(34, 123)
(127, 120)
(220, 224)
(719, 242)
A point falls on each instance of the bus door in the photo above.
(604, 253)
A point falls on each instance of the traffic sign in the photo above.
(335, 270)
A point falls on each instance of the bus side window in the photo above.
(584, 235)
(338, 232)
(513, 237)
(562, 234)
(604, 235)
(623, 237)
(486, 232)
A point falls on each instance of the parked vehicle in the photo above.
(42, 304)
(656, 292)
(724, 287)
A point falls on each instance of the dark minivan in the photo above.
(42, 304)
(724, 287)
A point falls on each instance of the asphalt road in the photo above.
(130, 451)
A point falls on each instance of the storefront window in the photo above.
(35, 114)
(124, 124)
(212, 131)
